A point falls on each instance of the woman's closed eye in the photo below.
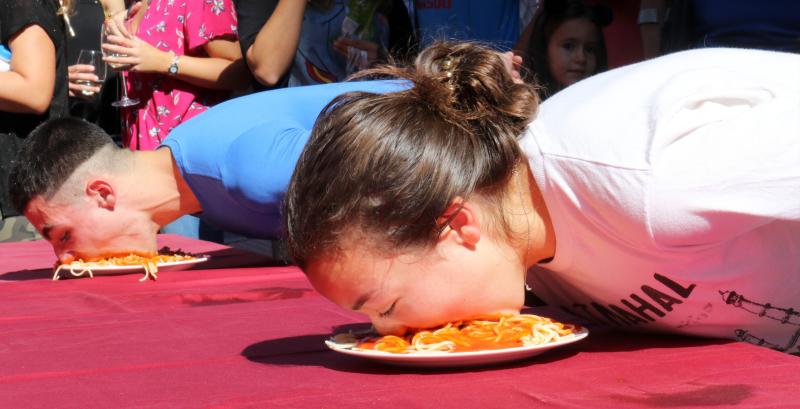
(389, 310)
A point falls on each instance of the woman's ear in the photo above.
(461, 222)
(102, 193)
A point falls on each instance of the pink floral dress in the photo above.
(183, 27)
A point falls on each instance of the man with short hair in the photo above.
(230, 165)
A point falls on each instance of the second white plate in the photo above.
(114, 270)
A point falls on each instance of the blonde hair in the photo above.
(65, 10)
(65, 7)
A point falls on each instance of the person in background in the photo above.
(86, 21)
(566, 44)
(374, 30)
(92, 102)
(494, 22)
(320, 41)
(674, 25)
(269, 31)
(623, 42)
(33, 90)
(179, 59)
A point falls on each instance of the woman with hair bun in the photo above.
(660, 196)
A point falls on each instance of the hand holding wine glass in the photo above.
(125, 51)
(111, 35)
(86, 76)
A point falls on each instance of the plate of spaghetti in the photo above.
(129, 264)
(479, 341)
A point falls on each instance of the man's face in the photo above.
(82, 229)
(422, 289)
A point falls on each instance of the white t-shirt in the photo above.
(674, 190)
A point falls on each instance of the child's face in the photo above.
(572, 51)
(422, 289)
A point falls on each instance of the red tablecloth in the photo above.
(239, 333)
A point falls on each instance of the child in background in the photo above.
(566, 44)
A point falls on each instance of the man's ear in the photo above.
(462, 223)
(102, 193)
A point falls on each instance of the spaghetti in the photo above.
(150, 264)
(505, 331)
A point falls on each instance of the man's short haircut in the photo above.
(50, 155)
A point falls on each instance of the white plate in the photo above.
(114, 270)
(456, 359)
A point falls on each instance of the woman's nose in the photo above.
(388, 328)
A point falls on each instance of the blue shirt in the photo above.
(238, 156)
(495, 22)
(316, 61)
(768, 25)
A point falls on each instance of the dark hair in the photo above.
(549, 16)
(388, 165)
(49, 155)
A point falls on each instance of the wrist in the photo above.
(117, 14)
(173, 64)
(110, 12)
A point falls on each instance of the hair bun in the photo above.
(466, 85)
(470, 82)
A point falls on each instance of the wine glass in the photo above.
(124, 101)
(95, 59)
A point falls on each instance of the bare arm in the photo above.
(28, 87)
(223, 69)
(276, 43)
(651, 31)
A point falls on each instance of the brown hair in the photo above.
(387, 166)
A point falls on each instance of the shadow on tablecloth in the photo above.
(310, 350)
